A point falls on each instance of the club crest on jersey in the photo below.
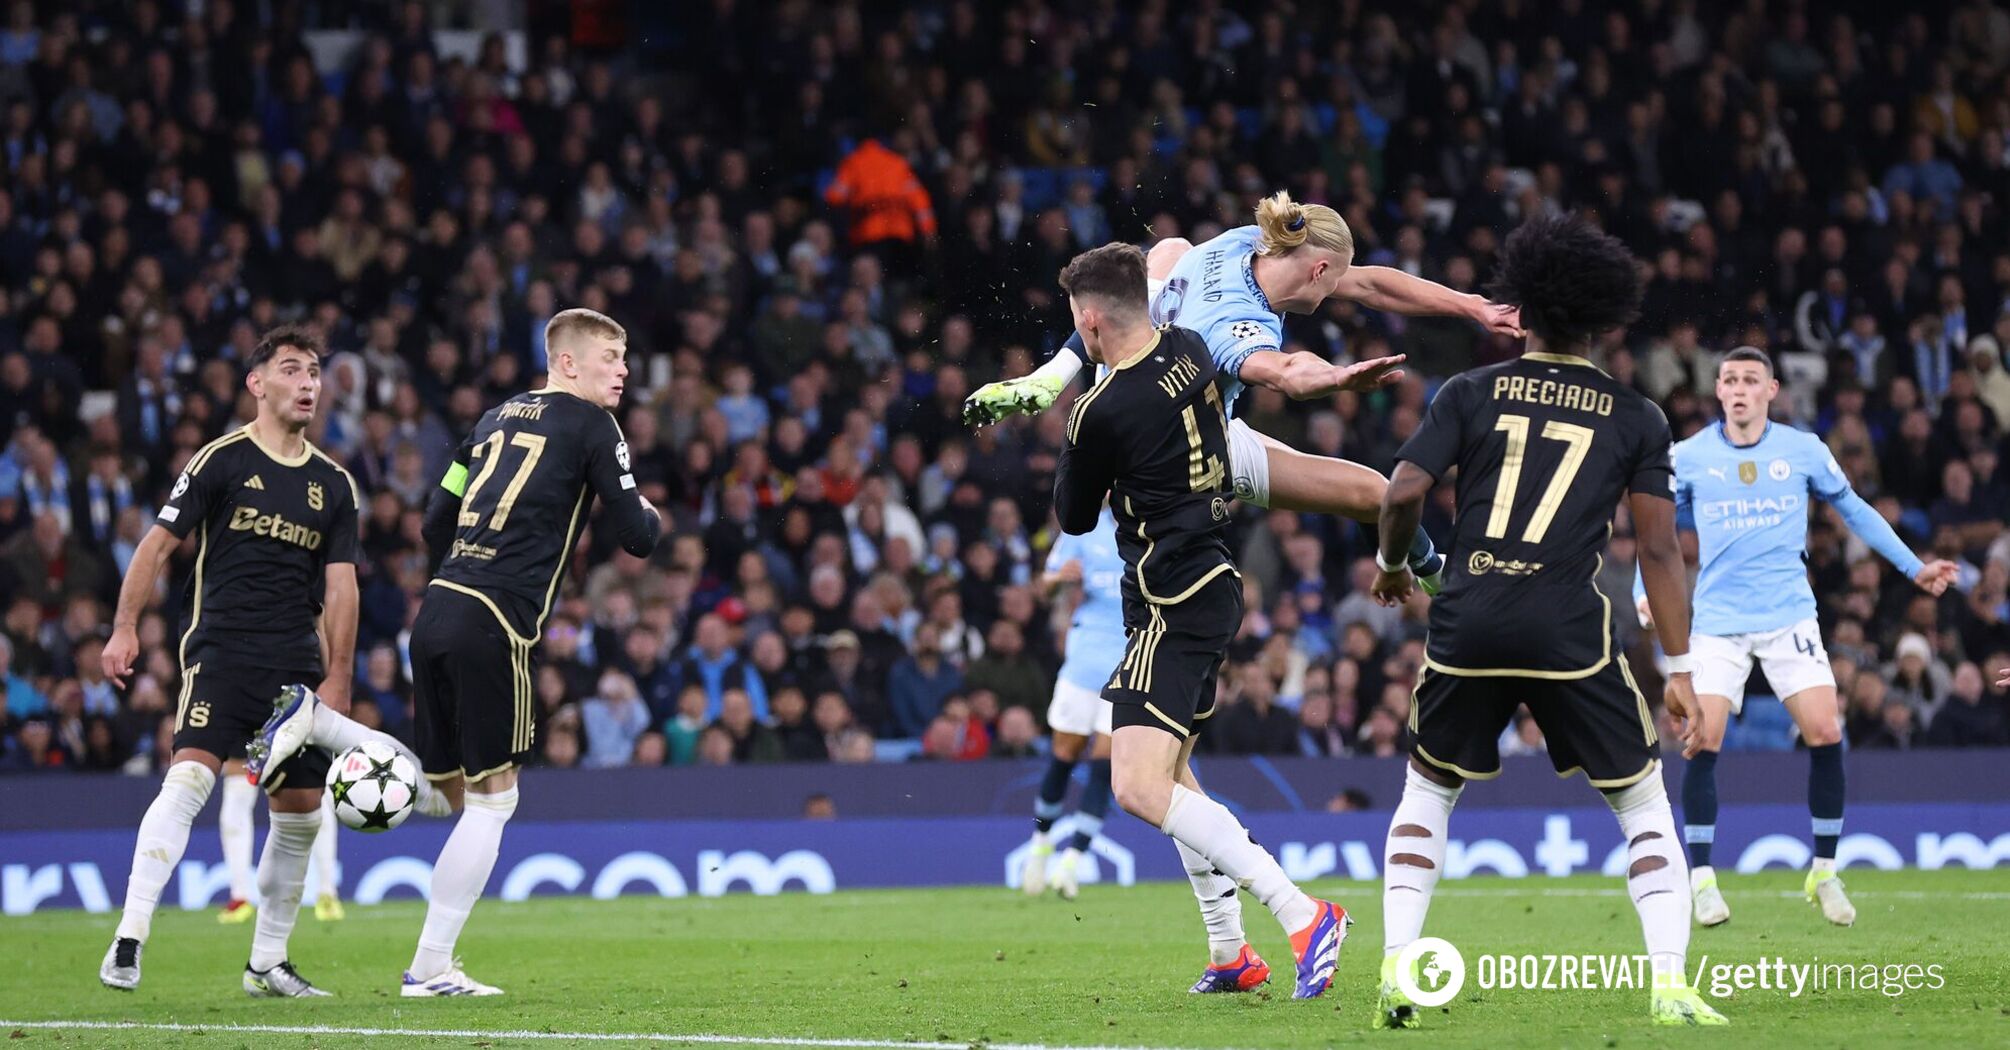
(315, 498)
(1778, 470)
(1748, 472)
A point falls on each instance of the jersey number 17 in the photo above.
(1577, 441)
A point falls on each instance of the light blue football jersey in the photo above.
(1750, 507)
(1096, 634)
(1212, 291)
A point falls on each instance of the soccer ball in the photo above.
(373, 786)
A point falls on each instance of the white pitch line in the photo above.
(691, 1038)
(1563, 891)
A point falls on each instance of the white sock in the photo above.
(282, 876)
(162, 839)
(1064, 364)
(338, 733)
(458, 877)
(328, 875)
(234, 827)
(1209, 829)
(1660, 895)
(1407, 885)
(1220, 907)
(1698, 876)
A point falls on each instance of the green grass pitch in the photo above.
(977, 966)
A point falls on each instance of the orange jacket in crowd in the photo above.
(885, 199)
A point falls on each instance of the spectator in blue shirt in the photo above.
(920, 683)
(715, 666)
(613, 721)
(1924, 176)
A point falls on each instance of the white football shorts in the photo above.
(1792, 657)
(1077, 710)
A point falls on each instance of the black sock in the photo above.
(1094, 807)
(1053, 788)
(1825, 797)
(1699, 807)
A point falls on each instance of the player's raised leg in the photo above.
(237, 832)
(282, 880)
(1270, 473)
(1699, 804)
(327, 869)
(300, 719)
(1814, 711)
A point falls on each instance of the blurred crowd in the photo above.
(824, 224)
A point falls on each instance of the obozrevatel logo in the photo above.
(1430, 972)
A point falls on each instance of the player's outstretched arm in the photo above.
(1666, 580)
(1933, 577)
(138, 586)
(1304, 377)
(339, 603)
(1391, 290)
(1402, 512)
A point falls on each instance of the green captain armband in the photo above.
(456, 480)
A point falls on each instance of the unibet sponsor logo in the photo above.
(464, 549)
(1430, 971)
(274, 526)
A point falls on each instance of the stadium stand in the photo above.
(834, 220)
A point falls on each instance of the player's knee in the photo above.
(1822, 734)
(1146, 798)
(1159, 262)
(1067, 747)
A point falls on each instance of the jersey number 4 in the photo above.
(1204, 472)
(1577, 440)
(490, 453)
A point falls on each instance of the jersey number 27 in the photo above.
(490, 452)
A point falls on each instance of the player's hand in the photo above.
(1391, 589)
(1646, 614)
(995, 401)
(119, 653)
(335, 694)
(1936, 576)
(1680, 696)
(1364, 377)
(1070, 571)
(1500, 319)
(2003, 682)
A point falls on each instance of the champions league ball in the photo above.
(373, 786)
